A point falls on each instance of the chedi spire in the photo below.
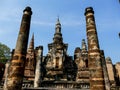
(84, 46)
(31, 46)
(58, 36)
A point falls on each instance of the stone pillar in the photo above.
(94, 56)
(39, 54)
(7, 65)
(16, 69)
(6, 74)
(111, 73)
(7, 69)
(106, 78)
(117, 68)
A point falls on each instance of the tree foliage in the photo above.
(4, 53)
(119, 34)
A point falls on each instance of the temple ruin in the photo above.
(87, 69)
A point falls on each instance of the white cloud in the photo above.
(42, 23)
(72, 23)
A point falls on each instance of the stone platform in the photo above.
(53, 89)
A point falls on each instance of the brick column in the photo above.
(16, 69)
(94, 56)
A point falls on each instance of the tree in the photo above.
(4, 53)
(119, 34)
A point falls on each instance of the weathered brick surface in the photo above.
(94, 58)
(16, 69)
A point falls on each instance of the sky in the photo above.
(71, 15)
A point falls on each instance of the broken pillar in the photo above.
(106, 78)
(7, 65)
(111, 73)
(39, 55)
(117, 68)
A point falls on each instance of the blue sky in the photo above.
(71, 14)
